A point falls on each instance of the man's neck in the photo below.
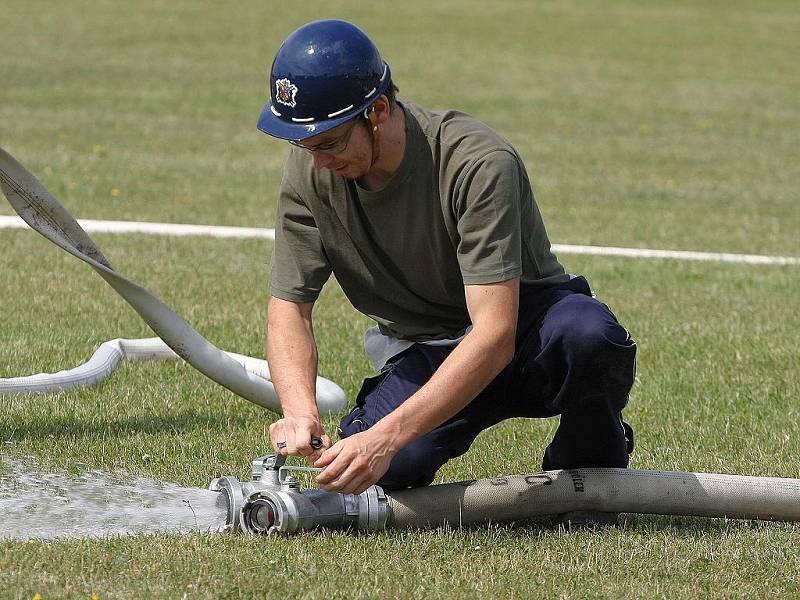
(392, 143)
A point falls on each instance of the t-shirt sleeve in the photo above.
(487, 210)
(299, 266)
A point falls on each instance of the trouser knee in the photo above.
(604, 363)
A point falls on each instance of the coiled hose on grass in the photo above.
(238, 373)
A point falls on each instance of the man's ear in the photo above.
(380, 111)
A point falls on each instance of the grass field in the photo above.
(645, 124)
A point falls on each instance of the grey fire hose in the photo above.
(273, 502)
(44, 214)
(607, 490)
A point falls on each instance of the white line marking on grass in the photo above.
(752, 259)
(175, 229)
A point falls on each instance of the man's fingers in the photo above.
(289, 449)
(279, 436)
(304, 447)
(353, 474)
(297, 437)
(328, 455)
(359, 485)
(276, 436)
(335, 466)
(314, 456)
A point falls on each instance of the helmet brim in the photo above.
(271, 124)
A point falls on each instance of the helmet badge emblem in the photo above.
(285, 92)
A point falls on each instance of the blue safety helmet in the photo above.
(324, 74)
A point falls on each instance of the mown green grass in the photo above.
(681, 558)
(643, 124)
(716, 392)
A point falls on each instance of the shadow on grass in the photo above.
(630, 525)
(680, 526)
(685, 526)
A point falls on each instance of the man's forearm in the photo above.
(472, 365)
(292, 358)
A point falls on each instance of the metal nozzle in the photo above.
(274, 502)
(260, 516)
(231, 488)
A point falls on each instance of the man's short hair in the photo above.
(391, 93)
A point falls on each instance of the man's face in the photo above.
(346, 150)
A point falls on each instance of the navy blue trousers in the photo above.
(572, 359)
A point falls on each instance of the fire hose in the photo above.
(273, 500)
(242, 375)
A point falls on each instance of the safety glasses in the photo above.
(336, 146)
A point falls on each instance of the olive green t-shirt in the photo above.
(459, 210)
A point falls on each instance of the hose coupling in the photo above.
(274, 502)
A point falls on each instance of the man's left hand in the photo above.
(354, 463)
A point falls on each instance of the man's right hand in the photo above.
(291, 436)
